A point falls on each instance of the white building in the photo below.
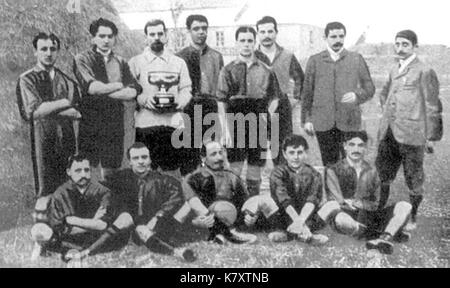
(224, 17)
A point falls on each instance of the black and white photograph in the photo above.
(228, 134)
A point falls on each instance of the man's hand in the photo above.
(144, 233)
(117, 86)
(150, 104)
(70, 113)
(300, 229)
(72, 220)
(100, 214)
(250, 219)
(182, 103)
(205, 221)
(349, 98)
(309, 128)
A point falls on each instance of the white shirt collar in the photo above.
(105, 55)
(335, 55)
(406, 62)
(151, 56)
(51, 72)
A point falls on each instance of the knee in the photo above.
(260, 204)
(183, 213)
(345, 224)
(41, 233)
(124, 221)
(402, 209)
(329, 210)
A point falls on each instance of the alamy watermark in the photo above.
(257, 129)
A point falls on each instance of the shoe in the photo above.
(219, 239)
(241, 238)
(382, 244)
(73, 259)
(187, 254)
(279, 237)
(318, 240)
(411, 226)
(402, 237)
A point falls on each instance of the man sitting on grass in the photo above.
(79, 217)
(354, 187)
(296, 189)
(208, 185)
(152, 199)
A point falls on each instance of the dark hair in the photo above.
(137, 145)
(334, 26)
(79, 157)
(267, 20)
(154, 22)
(245, 29)
(203, 150)
(199, 18)
(101, 22)
(45, 36)
(409, 35)
(356, 134)
(295, 141)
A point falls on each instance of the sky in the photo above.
(430, 19)
(380, 19)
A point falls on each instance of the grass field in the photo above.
(423, 250)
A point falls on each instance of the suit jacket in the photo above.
(326, 82)
(411, 105)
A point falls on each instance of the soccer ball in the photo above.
(224, 211)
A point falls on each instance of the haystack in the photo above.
(20, 21)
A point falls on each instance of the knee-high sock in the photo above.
(97, 245)
(384, 195)
(415, 202)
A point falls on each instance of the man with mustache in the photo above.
(80, 217)
(204, 64)
(49, 101)
(160, 72)
(209, 184)
(109, 92)
(337, 82)
(411, 122)
(354, 192)
(285, 65)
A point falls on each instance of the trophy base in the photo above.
(164, 108)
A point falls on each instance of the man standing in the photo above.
(48, 100)
(80, 217)
(204, 64)
(151, 199)
(247, 87)
(411, 121)
(354, 209)
(290, 80)
(164, 77)
(296, 189)
(208, 185)
(107, 86)
(337, 82)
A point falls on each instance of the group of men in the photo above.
(79, 125)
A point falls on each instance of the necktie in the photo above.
(141, 185)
